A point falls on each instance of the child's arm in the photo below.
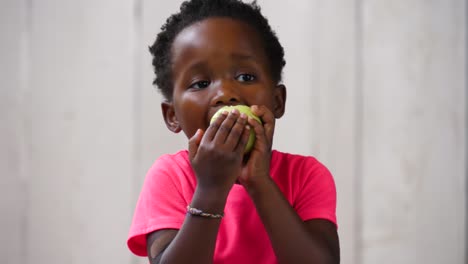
(194, 242)
(216, 158)
(294, 241)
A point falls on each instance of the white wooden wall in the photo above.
(377, 90)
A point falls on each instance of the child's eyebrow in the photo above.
(202, 64)
(198, 65)
(239, 56)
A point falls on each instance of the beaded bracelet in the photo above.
(198, 212)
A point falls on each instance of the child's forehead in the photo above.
(223, 34)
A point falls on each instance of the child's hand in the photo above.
(258, 164)
(216, 155)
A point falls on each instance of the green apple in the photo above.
(242, 109)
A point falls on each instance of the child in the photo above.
(211, 203)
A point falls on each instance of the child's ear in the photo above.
(280, 100)
(170, 117)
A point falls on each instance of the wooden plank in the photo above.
(12, 143)
(296, 131)
(154, 139)
(414, 131)
(81, 100)
(466, 132)
(338, 119)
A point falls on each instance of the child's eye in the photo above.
(199, 85)
(245, 77)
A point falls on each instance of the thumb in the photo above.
(194, 142)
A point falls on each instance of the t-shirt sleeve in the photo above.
(160, 205)
(317, 196)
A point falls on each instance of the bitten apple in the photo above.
(242, 109)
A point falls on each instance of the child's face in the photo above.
(217, 62)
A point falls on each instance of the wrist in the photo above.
(209, 199)
(256, 187)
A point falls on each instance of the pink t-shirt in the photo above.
(170, 183)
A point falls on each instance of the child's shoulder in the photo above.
(181, 154)
(280, 156)
(287, 168)
(178, 155)
(296, 161)
(178, 159)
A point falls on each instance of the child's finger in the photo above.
(236, 132)
(268, 120)
(243, 139)
(194, 142)
(261, 141)
(213, 128)
(225, 128)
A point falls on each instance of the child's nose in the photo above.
(226, 94)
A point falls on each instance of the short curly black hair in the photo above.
(196, 10)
